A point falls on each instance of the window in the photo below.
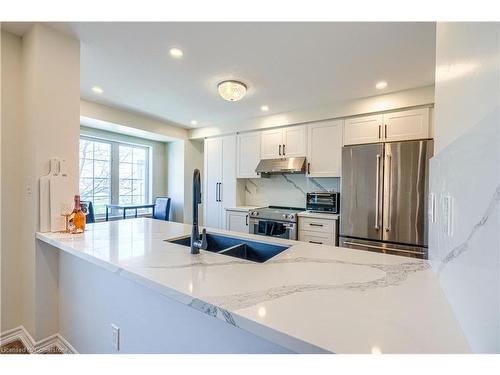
(113, 172)
(95, 173)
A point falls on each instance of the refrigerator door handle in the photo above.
(377, 193)
(389, 193)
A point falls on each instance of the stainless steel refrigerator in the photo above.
(383, 197)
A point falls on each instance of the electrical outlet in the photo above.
(115, 331)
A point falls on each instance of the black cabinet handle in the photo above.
(316, 242)
(216, 191)
(315, 225)
(385, 130)
(308, 168)
(283, 150)
(246, 220)
(379, 131)
(279, 147)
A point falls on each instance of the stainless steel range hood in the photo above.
(267, 167)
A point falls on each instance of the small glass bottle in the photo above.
(77, 218)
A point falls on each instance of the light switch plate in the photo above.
(115, 330)
(448, 215)
(432, 208)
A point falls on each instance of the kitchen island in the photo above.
(308, 299)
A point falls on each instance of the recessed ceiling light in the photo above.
(97, 90)
(232, 90)
(194, 122)
(264, 108)
(381, 85)
(176, 52)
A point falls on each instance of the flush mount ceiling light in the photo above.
(232, 90)
(97, 90)
(264, 108)
(194, 122)
(381, 85)
(176, 52)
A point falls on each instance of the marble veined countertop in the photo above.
(310, 298)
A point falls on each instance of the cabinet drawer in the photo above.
(318, 238)
(316, 225)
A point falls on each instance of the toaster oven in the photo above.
(327, 202)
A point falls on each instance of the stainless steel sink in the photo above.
(236, 247)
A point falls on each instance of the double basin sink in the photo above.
(236, 247)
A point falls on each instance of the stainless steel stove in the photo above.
(275, 221)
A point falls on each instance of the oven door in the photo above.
(273, 228)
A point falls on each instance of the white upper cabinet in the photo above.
(284, 142)
(365, 129)
(406, 125)
(248, 154)
(395, 126)
(294, 141)
(271, 144)
(324, 149)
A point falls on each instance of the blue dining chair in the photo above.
(162, 208)
(88, 210)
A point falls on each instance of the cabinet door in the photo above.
(406, 125)
(213, 180)
(237, 221)
(324, 149)
(248, 155)
(360, 130)
(227, 188)
(271, 144)
(294, 141)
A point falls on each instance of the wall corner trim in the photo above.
(33, 347)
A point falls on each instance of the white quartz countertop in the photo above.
(310, 298)
(318, 215)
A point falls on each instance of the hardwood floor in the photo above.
(17, 347)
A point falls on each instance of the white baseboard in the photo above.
(20, 333)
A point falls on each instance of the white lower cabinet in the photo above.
(237, 221)
(317, 230)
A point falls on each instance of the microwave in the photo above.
(323, 202)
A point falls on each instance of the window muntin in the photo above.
(113, 172)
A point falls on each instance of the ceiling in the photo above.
(287, 66)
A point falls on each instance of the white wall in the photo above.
(11, 176)
(159, 156)
(175, 181)
(466, 167)
(379, 103)
(94, 114)
(466, 78)
(45, 67)
(91, 299)
(183, 157)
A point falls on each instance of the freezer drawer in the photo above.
(384, 247)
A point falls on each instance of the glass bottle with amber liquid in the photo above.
(77, 218)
